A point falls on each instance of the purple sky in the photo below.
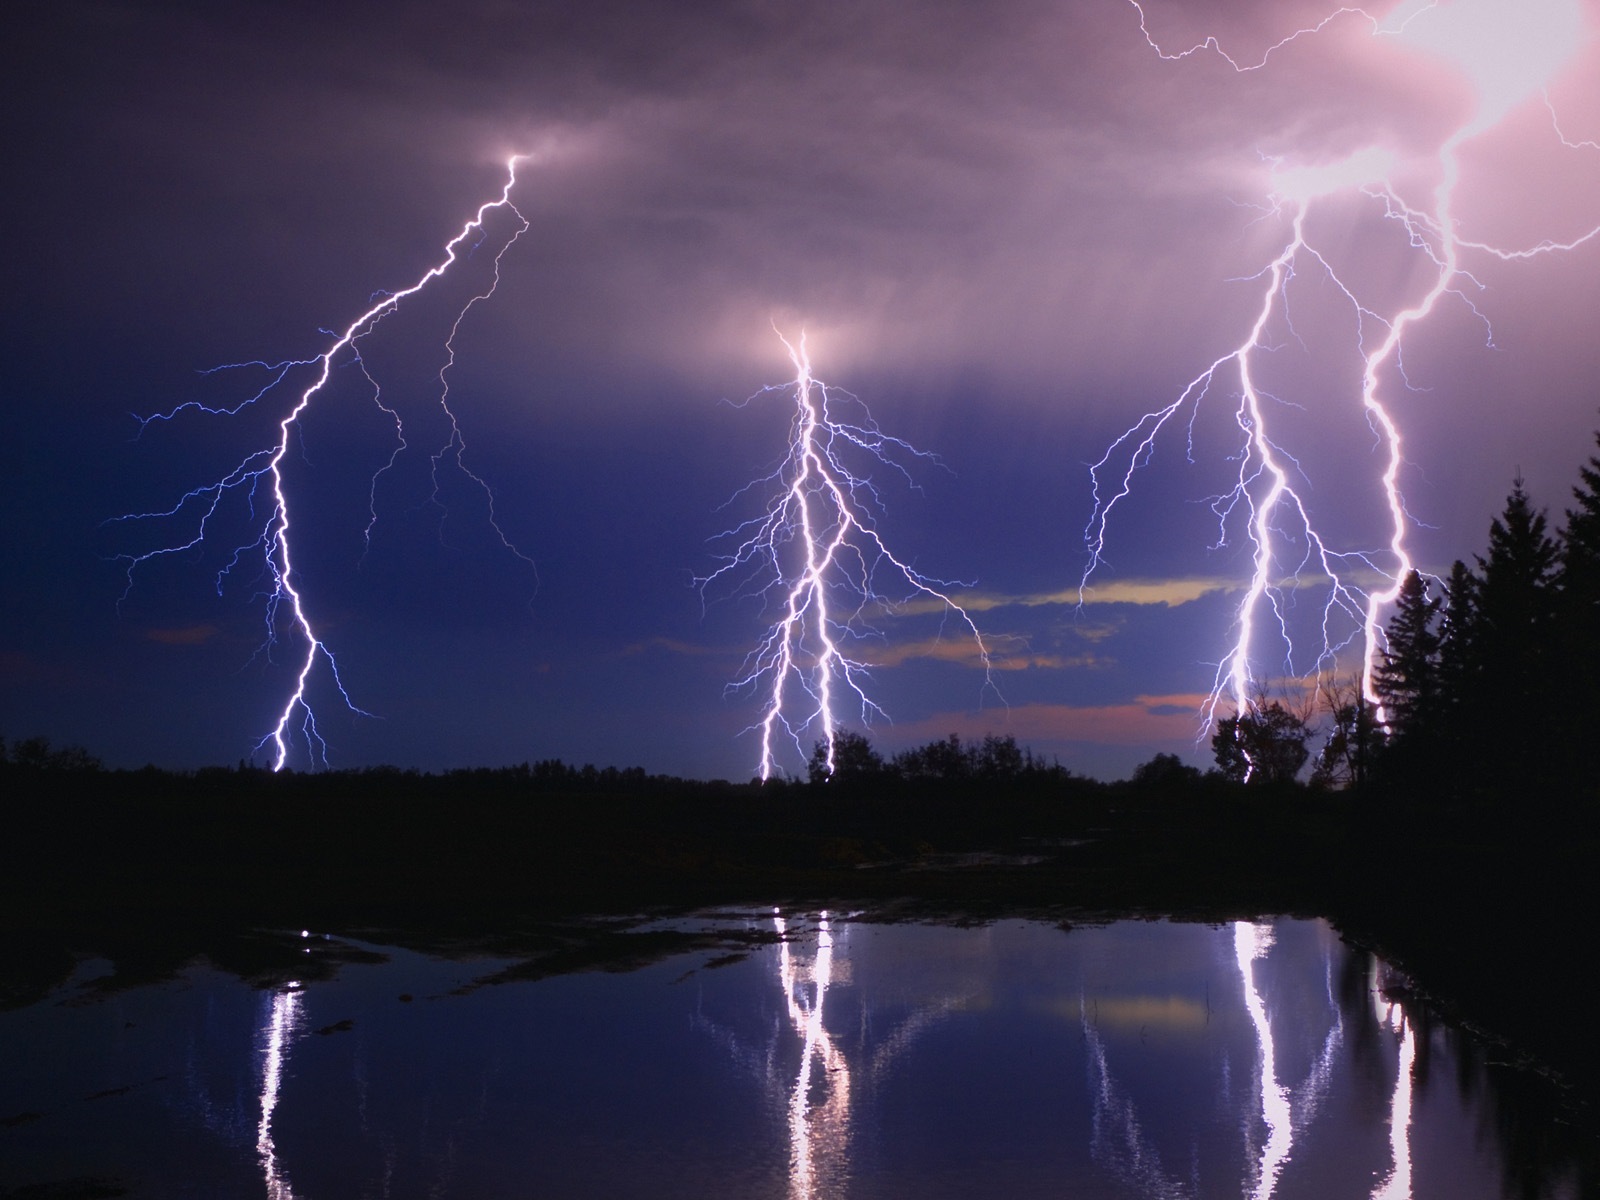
(1010, 229)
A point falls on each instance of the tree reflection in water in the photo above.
(1276, 1115)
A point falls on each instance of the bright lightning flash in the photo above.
(259, 479)
(817, 549)
(1474, 36)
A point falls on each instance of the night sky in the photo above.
(1009, 229)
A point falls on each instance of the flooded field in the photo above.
(783, 1055)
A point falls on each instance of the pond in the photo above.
(785, 1055)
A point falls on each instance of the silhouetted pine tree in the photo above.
(1580, 549)
(1407, 679)
(1456, 667)
(1511, 647)
(1504, 699)
(1431, 677)
(1408, 686)
(1576, 671)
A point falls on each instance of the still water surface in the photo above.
(838, 1059)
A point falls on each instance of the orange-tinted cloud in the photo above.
(1143, 720)
(1167, 592)
(1005, 654)
(187, 635)
(670, 645)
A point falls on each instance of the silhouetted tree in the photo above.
(999, 758)
(1407, 677)
(1457, 676)
(854, 760)
(948, 761)
(37, 754)
(1166, 771)
(1580, 542)
(1265, 744)
(1512, 638)
(993, 759)
(1576, 670)
(1515, 602)
(1355, 737)
(1504, 693)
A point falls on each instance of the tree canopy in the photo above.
(1264, 744)
(1490, 683)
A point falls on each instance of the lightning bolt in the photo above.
(1510, 56)
(258, 478)
(816, 548)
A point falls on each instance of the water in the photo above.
(832, 1058)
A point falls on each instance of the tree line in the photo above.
(1489, 681)
(993, 759)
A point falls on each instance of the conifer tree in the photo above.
(1575, 676)
(1407, 680)
(1516, 601)
(1515, 664)
(1579, 578)
(1456, 667)
(1581, 534)
(1512, 648)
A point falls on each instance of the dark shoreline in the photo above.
(1493, 919)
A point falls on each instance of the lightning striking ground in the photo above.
(816, 548)
(258, 478)
(1266, 503)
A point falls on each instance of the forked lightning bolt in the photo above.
(1263, 503)
(817, 549)
(259, 479)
